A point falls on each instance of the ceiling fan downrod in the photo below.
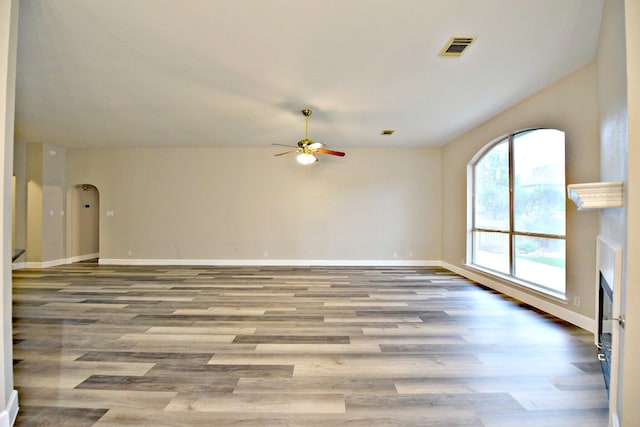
(306, 113)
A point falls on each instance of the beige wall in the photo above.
(53, 202)
(45, 210)
(245, 204)
(34, 203)
(8, 40)
(612, 107)
(569, 105)
(631, 366)
(619, 107)
(20, 196)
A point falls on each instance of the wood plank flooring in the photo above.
(273, 346)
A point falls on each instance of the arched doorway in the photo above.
(85, 223)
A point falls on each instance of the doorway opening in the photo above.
(85, 223)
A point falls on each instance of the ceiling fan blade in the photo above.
(286, 152)
(285, 145)
(332, 152)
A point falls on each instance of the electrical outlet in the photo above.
(576, 301)
(395, 254)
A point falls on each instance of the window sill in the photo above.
(548, 293)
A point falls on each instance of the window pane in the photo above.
(539, 184)
(491, 250)
(542, 261)
(491, 188)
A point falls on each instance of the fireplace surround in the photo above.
(608, 281)
(608, 317)
(605, 328)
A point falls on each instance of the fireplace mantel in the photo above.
(596, 195)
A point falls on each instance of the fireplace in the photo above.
(609, 321)
(605, 328)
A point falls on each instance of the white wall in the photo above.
(245, 205)
(569, 105)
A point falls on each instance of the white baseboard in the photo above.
(80, 258)
(8, 415)
(615, 422)
(273, 262)
(55, 262)
(567, 315)
(45, 264)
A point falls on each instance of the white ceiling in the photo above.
(237, 72)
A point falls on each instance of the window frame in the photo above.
(512, 233)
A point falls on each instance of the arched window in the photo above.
(517, 210)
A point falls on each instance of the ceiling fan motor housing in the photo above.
(305, 143)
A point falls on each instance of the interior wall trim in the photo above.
(565, 314)
(8, 415)
(274, 262)
(18, 265)
(80, 258)
(55, 262)
(45, 264)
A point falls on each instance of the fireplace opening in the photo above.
(605, 328)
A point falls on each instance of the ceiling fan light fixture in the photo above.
(306, 158)
(308, 148)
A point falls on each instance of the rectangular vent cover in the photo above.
(456, 46)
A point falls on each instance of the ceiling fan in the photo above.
(308, 148)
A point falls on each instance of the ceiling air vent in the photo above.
(456, 46)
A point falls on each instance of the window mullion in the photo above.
(543, 235)
(512, 258)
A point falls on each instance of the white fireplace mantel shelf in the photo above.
(596, 195)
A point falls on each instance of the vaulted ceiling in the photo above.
(238, 72)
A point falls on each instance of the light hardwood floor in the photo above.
(210, 346)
